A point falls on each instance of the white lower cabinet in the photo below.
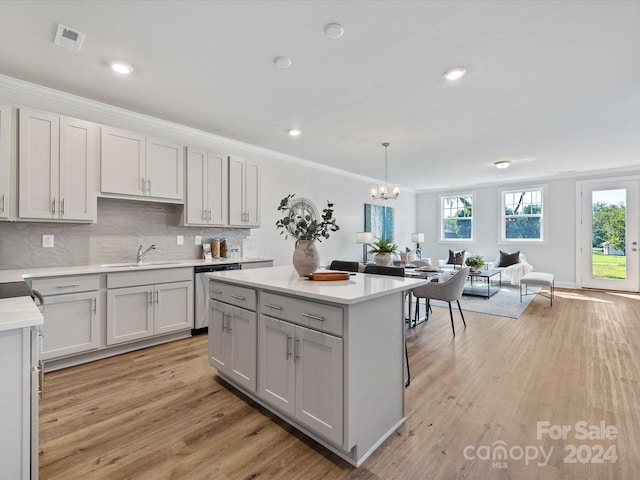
(145, 304)
(71, 314)
(232, 342)
(300, 373)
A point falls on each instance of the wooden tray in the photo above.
(328, 276)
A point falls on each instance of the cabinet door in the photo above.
(243, 331)
(78, 158)
(219, 344)
(38, 165)
(164, 169)
(70, 324)
(236, 191)
(319, 376)
(122, 162)
(252, 194)
(217, 189)
(129, 314)
(173, 305)
(5, 160)
(276, 379)
(196, 203)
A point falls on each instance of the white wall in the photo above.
(281, 175)
(556, 255)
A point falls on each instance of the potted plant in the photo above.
(474, 262)
(300, 221)
(384, 250)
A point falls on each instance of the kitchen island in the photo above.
(328, 357)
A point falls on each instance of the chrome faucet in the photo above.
(141, 254)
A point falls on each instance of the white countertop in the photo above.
(25, 273)
(20, 312)
(358, 288)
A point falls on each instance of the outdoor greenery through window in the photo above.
(522, 214)
(457, 217)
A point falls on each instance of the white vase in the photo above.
(305, 257)
(384, 259)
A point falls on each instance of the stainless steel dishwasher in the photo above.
(201, 291)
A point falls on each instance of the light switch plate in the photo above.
(198, 240)
(180, 240)
(47, 241)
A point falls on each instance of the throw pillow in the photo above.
(507, 259)
(455, 258)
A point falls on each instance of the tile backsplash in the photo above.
(122, 226)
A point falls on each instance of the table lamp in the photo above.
(365, 238)
(418, 238)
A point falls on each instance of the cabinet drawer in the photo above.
(233, 295)
(149, 277)
(318, 316)
(68, 284)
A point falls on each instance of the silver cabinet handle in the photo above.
(2, 203)
(40, 332)
(95, 305)
(238, 297)
(228, 327)
(68, 285)
(224, 316)
(217, 292)
(313, 317)
(62, 207)
(157, 297)
(275, 307)
(296, 349)
(142, 185)
(149, 186)
(40, 369)
(289, 338)
(150, 297)
(53, 206)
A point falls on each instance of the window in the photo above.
(456, 222)
(522, 215)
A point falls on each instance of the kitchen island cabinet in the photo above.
(330, 355)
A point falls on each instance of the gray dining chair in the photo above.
(395, 272)
(447, 291)
(344, 266)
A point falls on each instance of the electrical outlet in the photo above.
(198, 240)
(180, 240)
(47, 241)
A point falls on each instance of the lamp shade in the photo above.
(417, 237)
(364, 237)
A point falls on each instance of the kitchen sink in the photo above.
(143, 264)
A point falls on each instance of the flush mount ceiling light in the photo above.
(295, 132)
(334, 30)
(502, 164)
(382, 192)
(121, 68)
(282, 62)
(454, 73)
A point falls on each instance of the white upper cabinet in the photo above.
(244, 192)
(57, 167)
(136, 165)
(5, 160)
(207, 188)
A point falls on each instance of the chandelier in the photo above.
(384, 192)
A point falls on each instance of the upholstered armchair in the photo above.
(515, 271)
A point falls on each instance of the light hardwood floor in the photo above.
(161, 413)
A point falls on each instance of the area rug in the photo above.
(505, 303)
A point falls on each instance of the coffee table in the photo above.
(485, 290)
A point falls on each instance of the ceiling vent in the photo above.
(69, 38)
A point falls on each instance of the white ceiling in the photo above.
(553, 86)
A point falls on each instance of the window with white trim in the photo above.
(456, 218)
(522, 215)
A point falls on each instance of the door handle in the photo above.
(289, 338)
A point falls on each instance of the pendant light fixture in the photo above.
(384, 192)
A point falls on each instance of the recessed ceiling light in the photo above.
(295, 132)
(121, 68)
(334, 30)
(282, 62)
(455, 73)
(502, 164)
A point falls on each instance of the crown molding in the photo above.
(175, 128)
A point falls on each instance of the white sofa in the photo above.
(513, 273)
